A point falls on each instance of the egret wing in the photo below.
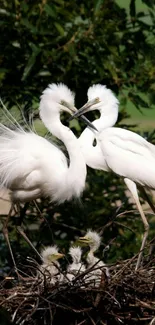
(22, 153)
(129, 155)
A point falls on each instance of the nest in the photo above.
(127, 297)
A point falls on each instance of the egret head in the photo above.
(75, 252)
(56, 98)
(92, 239)
(50, 254)
(99, 98)
(60, 95)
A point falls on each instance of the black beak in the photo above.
(86, 121)
(85, 108)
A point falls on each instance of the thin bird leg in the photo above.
(133, 189)
(6, 235)
(22, 212)
(146, 197)
(149, 201)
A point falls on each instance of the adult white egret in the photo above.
(76, 267)
(93, 240)
(121, 151)
(50, 268)
(31, 166)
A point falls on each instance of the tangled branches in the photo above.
(128, 297)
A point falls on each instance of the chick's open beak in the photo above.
(83, 240)
(59, 255)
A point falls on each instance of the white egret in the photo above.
(31, 166)
(93, 240)
(50, 268)
(121, 151)
(76, 267)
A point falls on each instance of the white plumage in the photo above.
(50, 268)
(121, 151)
(31, 166)
(76, 267)
(93, 240)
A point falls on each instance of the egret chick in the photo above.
(76, 267)
(50, 267)
(93, 240)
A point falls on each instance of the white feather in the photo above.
(31, 166)
(50, 271)
(118, 150)
(93, 278)
(76, 267)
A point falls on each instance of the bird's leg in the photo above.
(5, 232)
(133, 189)
(21, 212)
(147, 198)
(149, 201)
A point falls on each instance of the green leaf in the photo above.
(132, 8)
(123, 101)
(31, 61)
(138, 101)
(24, 6)
(149, 3)
(59, 29)
(97, 6)
(141, 14)
(50, 11)
(6, 13)
(26, 23)
(3, 73)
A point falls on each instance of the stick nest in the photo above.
(127, 297)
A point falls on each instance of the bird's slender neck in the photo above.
(91, 259)
(76, 173)
(64, 134)
(76, 259)
(103, 122)
(94, 247)
(87, 137)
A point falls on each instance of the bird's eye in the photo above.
(94, 143)
(64, 103)
(97, 99)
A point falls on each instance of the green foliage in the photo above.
(80, 43)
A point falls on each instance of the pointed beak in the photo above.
(83, 240)
(87, 122)
(74, 111)
(59, 255)
(85, 108)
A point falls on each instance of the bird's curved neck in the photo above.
(93, 155)
(103, 122)
(91, 259)
(76, 259)
(74, 178)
